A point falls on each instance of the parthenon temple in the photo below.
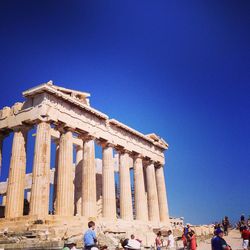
(68, 186)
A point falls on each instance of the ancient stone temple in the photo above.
(64, 117)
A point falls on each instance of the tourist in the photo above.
(192, 240)
(159, 241)
(184, 240)
(248, 221)
(245, 234)
(170, 241)
(225, 224)
(133, 243)
(186, 230)
(89, 238)
(242, 218)
(218, 243)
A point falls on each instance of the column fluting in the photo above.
(108, 183)
(141, 207)
(126, 211)
(39, 199)
(153, 207)
(65, 188)
(89, 207)
(78, 180)
(55, 174)
(16, 181)
(162, 195)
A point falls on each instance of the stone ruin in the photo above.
(82, 191)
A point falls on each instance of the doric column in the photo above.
(65, 188)
(78, 180)
(108, 183)
(16, 181)
(89, 179)
(141, 207)
(126, 211)
(39, 200)
(153, 207)
(55, 174)
(162, 195)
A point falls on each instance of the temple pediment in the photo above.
(83, 97)
(158, 139)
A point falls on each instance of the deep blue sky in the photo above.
(180, 69)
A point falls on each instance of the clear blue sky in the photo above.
(180, 69)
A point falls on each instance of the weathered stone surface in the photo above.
(85, 189)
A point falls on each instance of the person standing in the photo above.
(170, 241)
(192, 240)
(89, 238)
(158, 241)
(245, 234)
(225, 224)
(218, 243)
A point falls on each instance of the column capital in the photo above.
(147, 161)
(63, 128)
(122, 150)
(22, 128)
(86, 137)
(136, 155)
(104, 143)
(158, 165)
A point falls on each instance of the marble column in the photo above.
(153, 207)
(108, 183)
(141, 207)
(1, 150)
(55, 174)
(89, 208)
(39, 199)
(126, 210)
(65, 188)
(16, 181)
(162, 195)
(78, 180)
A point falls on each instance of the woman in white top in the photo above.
(170, 241)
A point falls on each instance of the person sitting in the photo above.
(133, 243)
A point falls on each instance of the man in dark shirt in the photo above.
(218, 243)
